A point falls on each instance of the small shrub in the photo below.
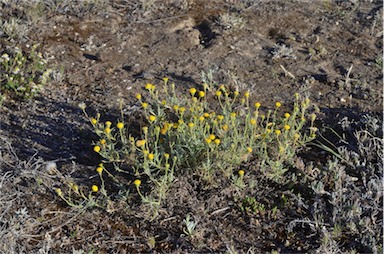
(22, 75)
(207, 131)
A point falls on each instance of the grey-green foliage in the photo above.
(349, 192)
(22, 75)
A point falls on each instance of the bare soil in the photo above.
(329, 50)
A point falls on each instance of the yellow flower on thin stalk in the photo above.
(287, 115)
(120, 125)
(144, 105)
(192, 91)
(287, 127)
(257, 105)
(99, 170)
(212, 137)
(107, 130)
(201, 94)
(217, 141)
(137, 183)
(249, 149)
(103, 142)
(94, 121)
(138, 96)
(108, 124)
(151, 156)
(95, 188)
(152, 118)
(277, 132)
(278, 104)
(241, 173)
(97, 149)
(140, 143)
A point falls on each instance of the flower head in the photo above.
(144, 105)
(97, 149)
(138, 96)
(140, 143)
(152, 118)
(95, 188)
(241, 173)
(151, 156)
(278, 104)
(249, 149)
(93, 121)
(99, 170)
(217, 141)
(287, 115)
(137, 183)
(120, 125)
(287, 127)
(257, 105)
(201, 94)
(192, 91)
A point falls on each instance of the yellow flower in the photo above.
(166, 155)
(201, 118)
(140, 143)
(175, 125)
(163, 102)
(151, 156)
(165, 79)
(249, 149)
(253, 121)
(236, 93)
(180, 121)
(296, 136)
(287, 127)
(192, 91)
(313, 117)
(99, 170)
(277, 132)
(163, 131)
(233, 114)
(137, 183)
(206, 115)
(257, 105)
(144, 105)
(212, 137)
(95, 188)
(182, 110)
(107, 130)
(241, 173)
(208, 140)
(278, 104)
(217, 141)
(120, 125)
(138, 96)
(96, 149)
(152, 118)
(201, 94)
(176, 107)
(103, 141)
(149, 86)
(59, 192)
(287, 115)
(220, 117)
(190, 125)
(218, 93)
(108, 124)
(93, 121)
(225, 127)
(246, 94)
